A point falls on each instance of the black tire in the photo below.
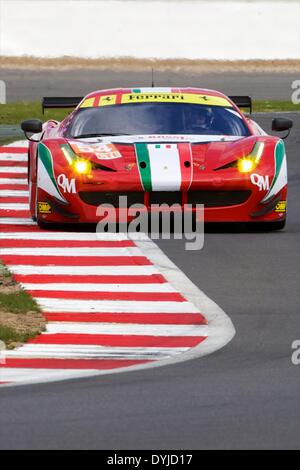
(272, 226)
(45, 225)
(277, 225)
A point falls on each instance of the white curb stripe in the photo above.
(125, 329)
(158, 287)
(15, 181)
(118, 306)
(66, 236)
(12, 206)
(85, 270)
(73, 351)
(73, 252)
(13, 193)
(14, 157)
(15, 221)
(19, 143)
(13, 169)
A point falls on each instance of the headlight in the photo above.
(245, 165)
(249, 163)
(83, 167)
(79, 165)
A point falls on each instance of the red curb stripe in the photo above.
(14, 213)
(14, 175)
(135, 296)
(18, 228)
(14, 187)
(136, 318)
(13, 163)
(76, 260)
(65, 243)
(6, 149)
(98, 364)
(119, 340)
(13, 199)
(101, 279)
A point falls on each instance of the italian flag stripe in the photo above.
(164, 167)
(144, 165)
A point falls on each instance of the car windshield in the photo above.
(156, 118)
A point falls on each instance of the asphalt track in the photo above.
(243, 396)
(32, 85)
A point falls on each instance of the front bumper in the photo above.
(220, 205)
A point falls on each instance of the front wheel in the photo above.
(272, 226)
(46, 225)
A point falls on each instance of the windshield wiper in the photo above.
(82, 136)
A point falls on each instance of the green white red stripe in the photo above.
(164, 167)
(280, 174)
(46, 178)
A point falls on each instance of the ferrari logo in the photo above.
(107, 100)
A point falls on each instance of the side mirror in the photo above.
(32, 126)
(282, 124)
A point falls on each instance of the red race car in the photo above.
(183, 146)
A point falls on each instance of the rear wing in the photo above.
(60, 102)
(242, 101)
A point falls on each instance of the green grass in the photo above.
(271, 106)
(20, 317)
(10, 336)
(17, 302)
(14, 113)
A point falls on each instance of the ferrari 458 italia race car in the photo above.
(156, 146)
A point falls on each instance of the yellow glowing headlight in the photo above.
(245, 165)
(83, 167)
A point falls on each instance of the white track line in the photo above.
(15, 221)
(125, 329)
(85, 270)
(13, 193)
(158, 287)
(73, 252)
(18, 143)
(21, 181)
(13, 169)
(73, 351)
(14, 206)
(74, 236)
(118, 306)
(13, 157)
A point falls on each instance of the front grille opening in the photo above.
(218, 198)
(208, 198)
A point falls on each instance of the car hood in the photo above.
(210, 151)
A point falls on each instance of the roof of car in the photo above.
(115, 96)
(202, 91)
